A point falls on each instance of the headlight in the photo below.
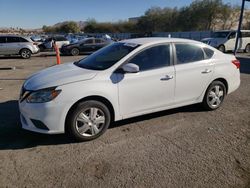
(43, 95)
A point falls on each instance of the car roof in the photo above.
(25, 37)
(12, 36)
(232, 30)
(155, 40)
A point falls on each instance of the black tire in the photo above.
(25, 53)
(208, 98)
(42, 48)
(222, 48)
(247, 49)
(74, 125)
(74, 51)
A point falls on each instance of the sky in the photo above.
(36, 13)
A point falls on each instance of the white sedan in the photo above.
(123, 80)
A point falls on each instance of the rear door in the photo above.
(193, 72)
(99, 43)
(13, 45)
(3, 46)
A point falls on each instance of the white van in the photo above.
(225, 40)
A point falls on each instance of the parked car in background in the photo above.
(75, 38)
(17, 45)
(59, 40)
(225, 40)
(123, 80)
(88, 45)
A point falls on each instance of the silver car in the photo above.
(17, 45)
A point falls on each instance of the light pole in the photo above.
(239, 26)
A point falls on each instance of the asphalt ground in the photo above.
(183, 147)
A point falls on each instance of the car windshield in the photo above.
(220, 34)
(107, 56)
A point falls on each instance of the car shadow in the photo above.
(244, 64)
(11, 57)
(13, 137)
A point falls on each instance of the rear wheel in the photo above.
(247, 49)
(214, 96)
(88, 121)
(222, 48)
(75, 51)
(25, 53)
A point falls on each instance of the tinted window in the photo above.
(209, 53)
(23, 40)
(89, 41)
(245, 34)
(232, 35)
(60, 39)
(152, 58)
(220, 34)
(107, 56)
(12, 39)
(98, 41)
(2, 39)
(186, 53)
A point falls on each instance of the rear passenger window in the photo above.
(245, 34)
(23, 40)
(98, 41)
(60, 39)
(187, 53)
(153, 58)
(12, 39)
(2, 39)
(89, 41)
(209, 53)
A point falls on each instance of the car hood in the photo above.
(58, 75)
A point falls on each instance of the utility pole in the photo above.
(239, 26)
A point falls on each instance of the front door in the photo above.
(152, 87)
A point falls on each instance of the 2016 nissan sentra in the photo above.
(123, 80)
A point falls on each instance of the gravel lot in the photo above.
(184, 147)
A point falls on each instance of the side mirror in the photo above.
(130, 68)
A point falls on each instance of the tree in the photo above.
(69, 27)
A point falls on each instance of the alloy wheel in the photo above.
(90, 122)
(25, 54)
(215, 96)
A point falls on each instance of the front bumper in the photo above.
(47, 118)
(64, 51)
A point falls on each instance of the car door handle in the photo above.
(206, 71)
(167, 77)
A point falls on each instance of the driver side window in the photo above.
(153, 58)
(232, 35)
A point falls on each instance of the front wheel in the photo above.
(214, 96)
(222, 48)
(88, 120)
(25, 53)
(75, 52)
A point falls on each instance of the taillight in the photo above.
(236, 63)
